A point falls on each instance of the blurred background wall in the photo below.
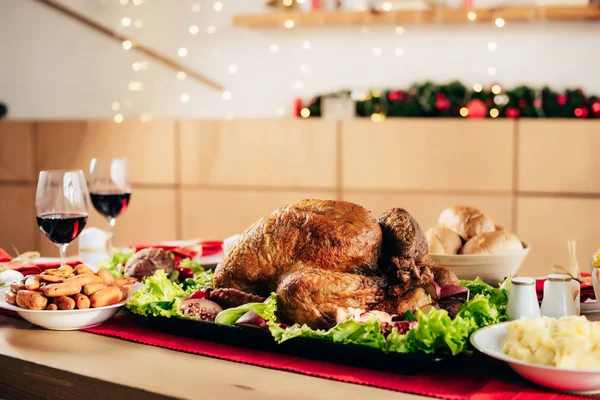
(53, 67)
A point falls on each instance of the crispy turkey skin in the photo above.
(321, 255)
(324, 234)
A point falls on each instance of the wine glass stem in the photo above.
(62, 249)
(111, 223)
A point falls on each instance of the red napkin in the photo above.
(208, 248)
(38, 268)
(587, 290)
(27, 268)
(4, 256)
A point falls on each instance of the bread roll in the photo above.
(443, 240)
(493, 243)
(466, 221)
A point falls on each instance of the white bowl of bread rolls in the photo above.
(469, 243)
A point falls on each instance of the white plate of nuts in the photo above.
(67, 299)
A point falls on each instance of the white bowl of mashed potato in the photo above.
(562, 354)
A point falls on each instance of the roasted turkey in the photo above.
(322, 255)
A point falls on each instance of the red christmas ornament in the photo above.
(596, 107)
(537, 103)
(442, 103)
(297, 106)
(395, 96)
(522, 103)
(561, 99)
(477, 109)
(316, 5)
(512, 112)
(581, 112)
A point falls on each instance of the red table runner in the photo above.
(477, 378)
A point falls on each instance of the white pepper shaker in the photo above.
(522, 300)
(558, 296)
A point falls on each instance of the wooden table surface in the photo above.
(42, 364)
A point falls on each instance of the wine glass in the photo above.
(110, 190)
(61, 207)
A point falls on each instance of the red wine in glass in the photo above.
(62, 228)
(61, 206)
(110, 204)
(110, 190)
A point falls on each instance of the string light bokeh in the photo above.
(292, 61)
(297, 85)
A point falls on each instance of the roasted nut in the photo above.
(64, 303)
(92, 288)
(62, 289)
(31, 300)
(32, 282)
(81, 301)
(125, 281)
(65, 271)
(10, 297)
(106, 297)
(51, 278)
(85, 279)
(16, 286)
(106, 276)
(83, 269)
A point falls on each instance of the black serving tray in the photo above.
(315, 349)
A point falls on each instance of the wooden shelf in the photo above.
(439, 15)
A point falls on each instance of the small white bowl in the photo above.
(64, 320)
(595, 274)
(9, 276)
(492, 268)
(489, 341)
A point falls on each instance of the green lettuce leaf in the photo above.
(347, 332)
(488, 306)
(409, 316)
(482, 311)
(434, 333)
(266, 310)
(158, 297)
(203, 278)
(118, 260)
(498, 296)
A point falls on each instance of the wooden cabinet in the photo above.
(212, 179)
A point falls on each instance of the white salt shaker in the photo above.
(522, 301)
(558, 296)
(596, 281)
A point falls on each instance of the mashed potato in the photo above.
(567, 342)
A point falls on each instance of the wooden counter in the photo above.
(42, 364)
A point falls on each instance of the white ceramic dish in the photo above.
(590, 307)
(492, 268)
(489, 341)
(66, 320)
(9, 276)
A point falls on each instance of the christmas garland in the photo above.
(456, 100)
